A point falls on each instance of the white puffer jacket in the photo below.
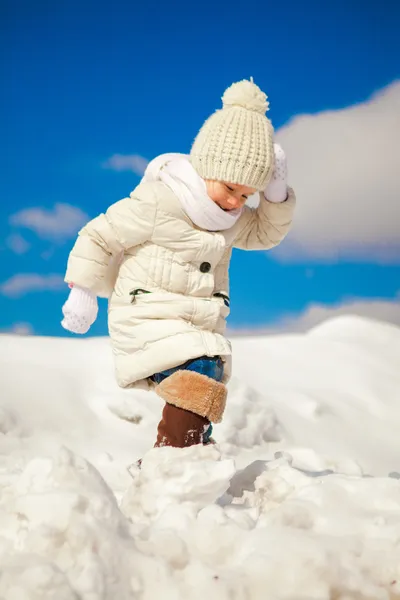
(169, 296)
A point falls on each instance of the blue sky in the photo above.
(85, 81)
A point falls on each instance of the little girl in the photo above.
(172, 240)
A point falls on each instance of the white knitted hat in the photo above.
(235, 144)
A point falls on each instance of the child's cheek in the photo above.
(222, 196)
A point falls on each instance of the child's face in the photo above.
(228, 196)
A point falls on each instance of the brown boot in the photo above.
(196, 393)
(193, 401)
(180, 428)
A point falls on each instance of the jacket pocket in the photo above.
(137, 292)
(224, 297)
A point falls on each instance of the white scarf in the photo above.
(176, 171)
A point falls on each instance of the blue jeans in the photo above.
(211, 366)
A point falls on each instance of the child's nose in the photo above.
(233, 201)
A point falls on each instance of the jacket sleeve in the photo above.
(127, 223)
(264, 227)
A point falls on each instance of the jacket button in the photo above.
(205, 267)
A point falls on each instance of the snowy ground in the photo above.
(299, 501)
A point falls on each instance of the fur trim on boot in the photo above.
(195, 392)
(180, 428)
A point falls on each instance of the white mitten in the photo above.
(80, 310)
(276, 190)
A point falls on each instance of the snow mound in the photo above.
(357, 328)
(191, 476)
(63, 535)
(334, 390)
(250, 420)
(300, 499)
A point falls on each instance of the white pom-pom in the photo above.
(247, 95)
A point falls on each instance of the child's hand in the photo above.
(276, 190)
(80, 310)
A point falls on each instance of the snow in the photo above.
(300, 499)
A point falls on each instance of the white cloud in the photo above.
(17, 243)
(344, 166)
(25, 283)
(380, 310)
(127, 162)
(22, 329)
(62, 222)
